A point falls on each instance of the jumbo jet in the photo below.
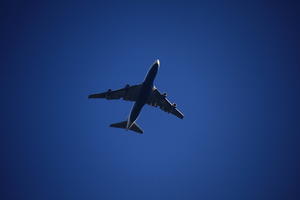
(144, 93)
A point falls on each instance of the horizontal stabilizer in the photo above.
(119, 125)
(134, 127)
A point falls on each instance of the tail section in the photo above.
(133, 127)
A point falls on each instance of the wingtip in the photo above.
(92, 96)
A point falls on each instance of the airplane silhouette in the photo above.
(144, 93)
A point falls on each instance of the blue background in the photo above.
(232, 67)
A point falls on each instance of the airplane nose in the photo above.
(157, 62)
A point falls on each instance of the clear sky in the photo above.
(232, 68)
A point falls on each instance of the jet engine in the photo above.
(108, 94)
(126, 91)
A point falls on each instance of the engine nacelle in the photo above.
(174, 105)
(165, 94)
(126, 88)
(108, 93)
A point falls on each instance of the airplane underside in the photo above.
(141, 94)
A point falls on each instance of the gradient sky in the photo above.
(232, 67)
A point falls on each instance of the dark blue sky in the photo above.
(232, 67)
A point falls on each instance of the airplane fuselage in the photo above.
(145, 92)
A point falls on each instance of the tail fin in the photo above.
(134, 126)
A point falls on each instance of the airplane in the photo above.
(141, 94)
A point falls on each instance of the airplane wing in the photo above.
(158, 99)
(128, 93)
